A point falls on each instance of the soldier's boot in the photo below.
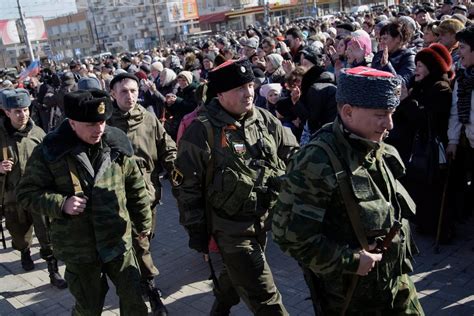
(26, 261)
(54, 276)
(219, 309)
(158, 308)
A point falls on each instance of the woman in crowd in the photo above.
(181, 103)
(393, 55)
(419, 134)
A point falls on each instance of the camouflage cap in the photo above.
(15, 98)
(368, 88)
(91, 106)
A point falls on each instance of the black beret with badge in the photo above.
(230, 75)
(14, 98)
(88, 106)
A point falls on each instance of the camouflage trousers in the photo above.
(141, 246)
(20, 224)
(246, 275)
(405, 303)
(88, 284)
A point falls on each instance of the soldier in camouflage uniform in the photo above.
(152, 147)
(83, 176)
(18, 137)
(341, 197)
(226, 183)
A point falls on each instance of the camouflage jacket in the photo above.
(232, 193)
(20, 145)
(311, 222)
(113, 184)
(151, 144)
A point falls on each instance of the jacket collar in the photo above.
(358, 152)
(64, 140)
(220, 117)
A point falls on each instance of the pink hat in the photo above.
(363, 38)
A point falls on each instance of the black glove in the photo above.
(199, 241)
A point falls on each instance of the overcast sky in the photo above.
(45, 8)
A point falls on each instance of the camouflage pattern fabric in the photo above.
(20, 145)
(88, 284)
(116, 193)
(249, 155)
(152, 147)
(311, 223)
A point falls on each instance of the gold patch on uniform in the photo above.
(101, 108)
(176, 177)
(239, 148)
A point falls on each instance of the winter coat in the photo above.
(185, 103)
(317, 104)
(116, 192)
(426, 108)
(20, 145)
(151, 144)
(400, 63)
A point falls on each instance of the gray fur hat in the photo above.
(368, 88)
(14, 98)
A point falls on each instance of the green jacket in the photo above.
(151, 144)
(114, 187)
(20, 145)
(311, 222)
(249, 157)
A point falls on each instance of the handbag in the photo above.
(426, 155)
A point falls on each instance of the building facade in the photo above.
(70, 36)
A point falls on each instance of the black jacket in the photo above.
(317, 104)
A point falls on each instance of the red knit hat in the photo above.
(436, 58)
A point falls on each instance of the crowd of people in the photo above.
(261, 95)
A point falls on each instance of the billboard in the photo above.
(34, 27)
(182, 10)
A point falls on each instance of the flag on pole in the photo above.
(32, 70)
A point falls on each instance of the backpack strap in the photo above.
(210, 165)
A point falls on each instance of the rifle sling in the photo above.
(352, 210)
(74, 177)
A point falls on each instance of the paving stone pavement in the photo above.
(445, 281)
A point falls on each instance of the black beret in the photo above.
(88, 106)
(121, 76)
(384, 87)
(230, 75)
(126, 59)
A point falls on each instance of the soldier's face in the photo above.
(371, 124)
(18, 117)
(90, 133)
(125, 93)
(238, 101)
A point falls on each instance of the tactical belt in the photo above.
(352, 210)
(74, 177)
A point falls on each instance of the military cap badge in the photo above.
(101, 108)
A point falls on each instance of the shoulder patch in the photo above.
(176, 177)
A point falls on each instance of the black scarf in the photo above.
(465, 87)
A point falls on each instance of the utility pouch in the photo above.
(229, 191)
